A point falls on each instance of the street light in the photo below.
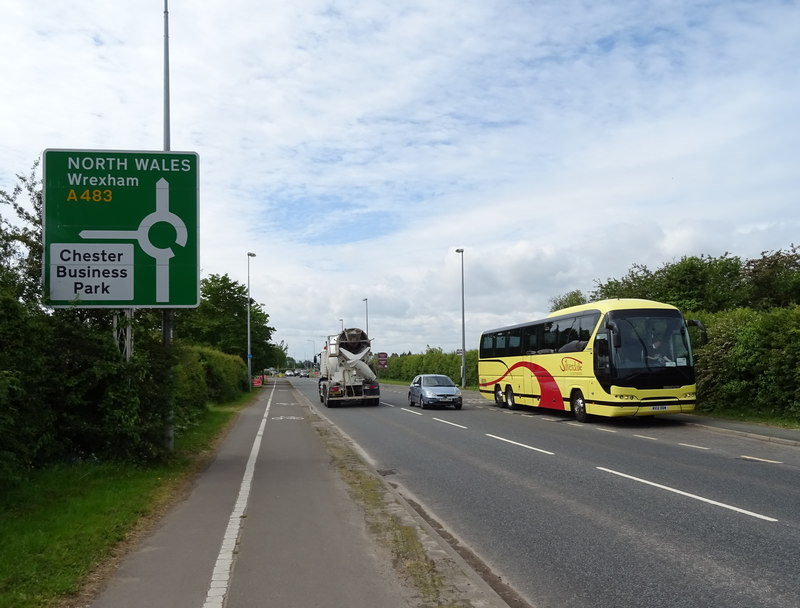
(249, 354)
(366, 314)
(463, 336)
(342, 322)
(313, 352)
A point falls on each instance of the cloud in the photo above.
(353, 146)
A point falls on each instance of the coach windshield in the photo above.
(645, 348)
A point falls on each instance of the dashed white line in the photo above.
(646, 437)
(688, 495)
(697, 447)
(522, 445)
(600, 428)
(450, 423)
(761, 459)
(405, 409)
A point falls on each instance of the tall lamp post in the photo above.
(366, 314)
(342, 322)
(249, 354)
(463, 332)
(313, 353)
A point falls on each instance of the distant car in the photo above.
(427, 390)
(303, 373)
(289, 373)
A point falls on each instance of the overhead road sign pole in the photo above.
(166, 317)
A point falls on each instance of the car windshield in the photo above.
(437, 381)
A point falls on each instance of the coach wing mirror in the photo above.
(699, 325)
(614, 329)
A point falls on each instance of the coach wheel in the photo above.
(510, 403)
(579, 407)
(499, 400)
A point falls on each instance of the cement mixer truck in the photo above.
(346, 375)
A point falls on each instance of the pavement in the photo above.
(763, 432)
(271, 522)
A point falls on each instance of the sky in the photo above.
(353, 146)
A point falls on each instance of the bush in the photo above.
(751, 363)
(191, 394)
(226, 375)
(433, 361)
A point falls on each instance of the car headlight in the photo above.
(429, 393)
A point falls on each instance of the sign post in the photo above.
(121, 229)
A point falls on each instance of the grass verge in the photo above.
(410, 558)
(65, 522)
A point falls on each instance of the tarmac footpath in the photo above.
(270, 523)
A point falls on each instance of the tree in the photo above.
(571, 298)
(774, 279)
(693, 283)
(220, 321)
(21, 241)
(638, 283)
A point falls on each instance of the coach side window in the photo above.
(487, 346)
(530, 339)
(568, 335)
(550, 337)
(587, 325)
(501, 345)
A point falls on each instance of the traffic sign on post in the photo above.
(121, 229)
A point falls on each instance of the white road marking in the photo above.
(694, 496)
(522, 445)
(220, 578)
(600, 428)
(761, 459)
(450, 423)
(697, 447)
(405, 409)
(646, 437)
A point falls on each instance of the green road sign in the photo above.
(121, 229)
